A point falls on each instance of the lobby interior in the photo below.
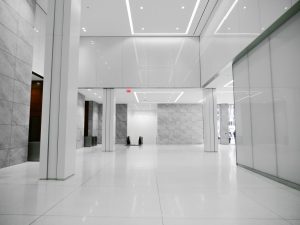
(156, 112)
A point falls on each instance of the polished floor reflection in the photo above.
(151, 185)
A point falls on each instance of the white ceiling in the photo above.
(144, 17)
(148, 96)
(223, 84)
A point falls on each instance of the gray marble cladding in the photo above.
(17, 155)
(16, 51)
(8, 40)
(100, 110)
(20, 114)
(5, 112)
(4, 158)
(121, 123)
(179, 124)
(22, 93)
(24, 8)
(7, 64)
(5, 136)
(95, 119)
(96, 122)
(6, 88)
(8, 17)
(224, 123)
(80, 120)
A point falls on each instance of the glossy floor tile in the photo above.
(157, 185)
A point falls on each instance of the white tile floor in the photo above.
(152, 185)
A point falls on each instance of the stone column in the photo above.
(224, 122)
(210, 121)
(108, 120)
(58, 134)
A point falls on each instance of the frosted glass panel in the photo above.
(285, 55)
(242, 113)
(272, 104)
(262, 118)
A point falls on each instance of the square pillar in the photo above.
(108, 120)
(210, 121)
(58, 132)
(224, 123)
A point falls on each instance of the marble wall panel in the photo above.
(121, 123)
(5, 112)
(179, 124)
(80, 120)
(4, 162)
(8, 40)
(5, 137)
(16, 41)
(7, 64)
(100, 108)
(8, 17)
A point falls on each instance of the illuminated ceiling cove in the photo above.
(145, 17)
(251, 17)
(180, 14)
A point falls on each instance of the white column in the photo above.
(224, 124)
(108, 120)
(58, 134)
(210, 121)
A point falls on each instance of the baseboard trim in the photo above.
(272, 177)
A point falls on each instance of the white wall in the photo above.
(239, 28)
(139, 62)
(39, 41)
(267, 97)
(142, 121)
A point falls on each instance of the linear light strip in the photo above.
(227, 85)
(192, 17)
(179, 96)
(227, 14)
(136, 97)
(129, 16)
(186, 32)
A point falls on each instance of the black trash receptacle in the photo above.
(141, 141)
(128, 140)
(88, 141)
(94, 140)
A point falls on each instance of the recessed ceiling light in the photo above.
(95, 93)
(83, 29)
(228, 28)
(286, 8)
(142, 28)
(262, 28)
(177, 28)
(245, 7)
(182, 7)
(89, 89)
(141, 7)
